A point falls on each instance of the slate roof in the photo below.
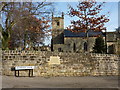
(91, 33)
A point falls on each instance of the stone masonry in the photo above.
(71, 64)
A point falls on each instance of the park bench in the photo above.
(23, 68)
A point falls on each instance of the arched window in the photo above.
(74, 47)
(85, 46)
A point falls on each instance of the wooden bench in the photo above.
(24, 68)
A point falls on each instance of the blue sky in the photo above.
(111, 7)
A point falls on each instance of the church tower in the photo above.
(57, 30)
(58, 22)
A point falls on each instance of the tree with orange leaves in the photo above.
(36, 30)
(88, 12)
(31, 31)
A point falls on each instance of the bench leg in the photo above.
(15, 73)
(29, 73)
(32, 72)
(18, 73)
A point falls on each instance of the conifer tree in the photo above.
(99, 46)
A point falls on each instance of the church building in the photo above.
(64, 40)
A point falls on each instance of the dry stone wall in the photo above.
(71, 64)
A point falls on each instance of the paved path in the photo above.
(59, 82)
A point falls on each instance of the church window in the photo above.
(58, 23)
(74, 47)
(59, 50)
(69, 45)
(85, 46)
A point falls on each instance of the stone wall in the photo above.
(72, 64)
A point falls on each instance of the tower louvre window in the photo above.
(58, 23)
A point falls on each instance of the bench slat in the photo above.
(24, 67)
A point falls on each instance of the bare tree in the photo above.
(21, 16)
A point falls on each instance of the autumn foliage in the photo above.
(31, 30)
(37, 25)
(88, 12)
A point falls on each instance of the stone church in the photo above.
(64, 40)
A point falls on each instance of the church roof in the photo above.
(91, 33)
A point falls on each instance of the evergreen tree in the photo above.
(99, 46)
